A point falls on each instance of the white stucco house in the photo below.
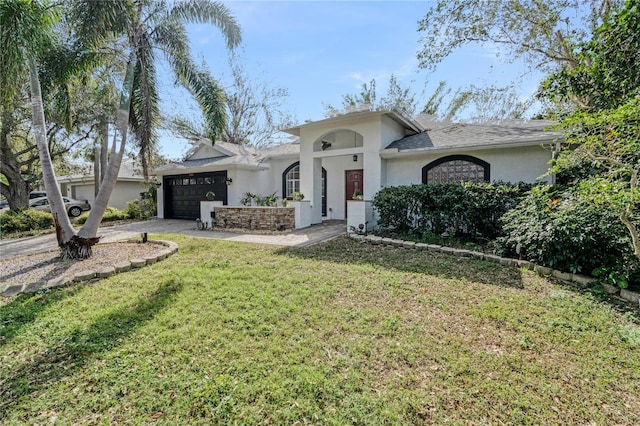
(357, 152)
(128, 186)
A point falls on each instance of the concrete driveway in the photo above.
(314, 234)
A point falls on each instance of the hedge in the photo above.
(471, 210)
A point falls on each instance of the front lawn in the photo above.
(340, 333)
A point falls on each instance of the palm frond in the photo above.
(97, 19)
(209, 12)
(25, 30)
(144, 111)
(206, 91)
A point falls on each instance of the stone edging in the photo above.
(576, 279)
(104, 272)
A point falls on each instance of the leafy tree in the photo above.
(481, 104)
(543, 33)
(493, 104)
(607, 73)
(397, 97)
(604, 131)
(254, 110)
(366, 99)
(26, 32)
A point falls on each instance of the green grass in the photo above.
(340, 333)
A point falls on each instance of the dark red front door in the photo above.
(354, 180)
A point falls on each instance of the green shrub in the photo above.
(110, 215)
(141, 209)
(556, 228)
(469, 210)
(22, 221)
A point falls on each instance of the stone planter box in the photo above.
(255, 218)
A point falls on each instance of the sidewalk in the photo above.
(298, 238)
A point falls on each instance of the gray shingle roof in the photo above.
(240, 156)
(451, 135)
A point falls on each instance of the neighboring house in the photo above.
(352, 153)
(128, 186)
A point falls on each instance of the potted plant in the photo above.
(358, 196)
(297, 196)
(210, 195)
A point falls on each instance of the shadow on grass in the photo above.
(26, 308)
(80, 346)
(59, 268)
(344, 250)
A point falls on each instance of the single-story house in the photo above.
(82, 187)
(353, 153)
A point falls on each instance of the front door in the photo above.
(354, 185)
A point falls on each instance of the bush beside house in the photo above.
(471, 211)
(547, 225)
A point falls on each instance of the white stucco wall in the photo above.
(246, 180)
(273, 177)
(122, 193)
(336, 167)
(525, 164)
(377, 131)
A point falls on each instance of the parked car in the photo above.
(37, 194)
(4, 203)
(74, 207)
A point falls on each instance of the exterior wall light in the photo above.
(355, 157)
(228, 181)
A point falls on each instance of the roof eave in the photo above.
(396, 114)
(395, 152)
(208, 167)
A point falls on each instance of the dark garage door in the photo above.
(183, 193)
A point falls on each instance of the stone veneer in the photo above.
(256, 218)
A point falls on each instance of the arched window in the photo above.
(456, 168)
(291, 180)
(291, 184)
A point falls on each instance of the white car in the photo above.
(74, 207)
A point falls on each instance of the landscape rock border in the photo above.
(103, 272)
(578, 280)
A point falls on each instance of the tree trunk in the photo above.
(90, 227)
(100, 155)
(17, 191)
(64, 230)
(144, 156)
(625, 216)
(104, 150)
(96, 166)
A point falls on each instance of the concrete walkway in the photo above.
(298, 238)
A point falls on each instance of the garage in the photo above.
(183, 193)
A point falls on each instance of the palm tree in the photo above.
(158, 28)
(26, 31)
(148, 25)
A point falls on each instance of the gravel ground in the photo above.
(47, 265)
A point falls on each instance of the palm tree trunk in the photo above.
(96, 166)
(64, 230)
(104, 151)
(90, 228)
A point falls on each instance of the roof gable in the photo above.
(205, 150)
(410, 125)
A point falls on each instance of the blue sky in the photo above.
(320, 50)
